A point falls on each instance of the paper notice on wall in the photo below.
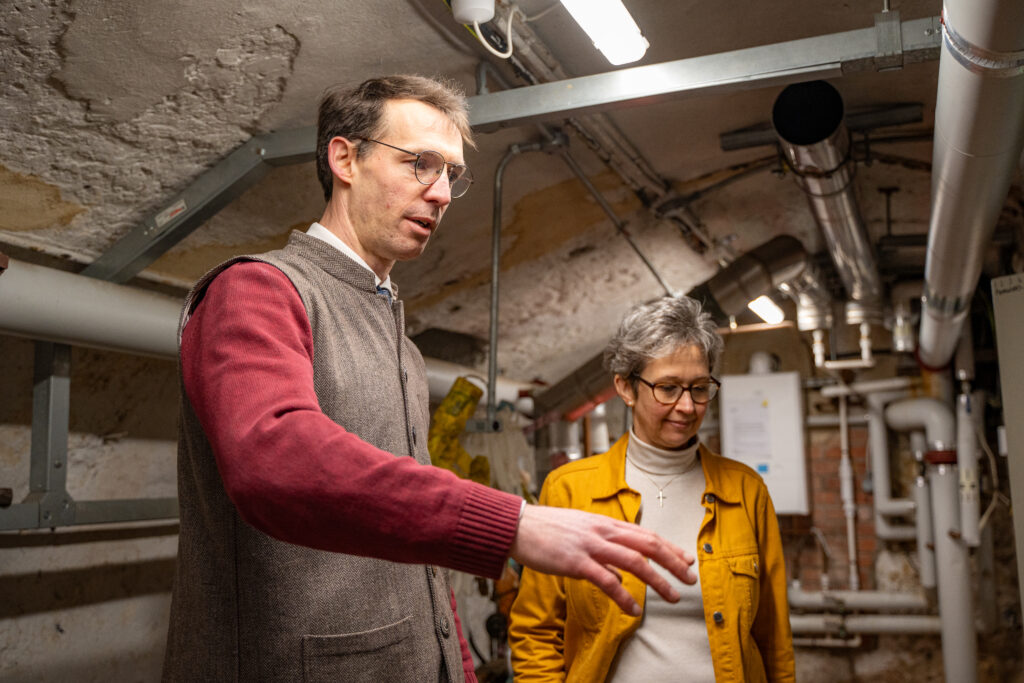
(751, 429)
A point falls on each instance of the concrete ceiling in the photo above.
(110, 109)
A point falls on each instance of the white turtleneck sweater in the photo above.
(672, 641)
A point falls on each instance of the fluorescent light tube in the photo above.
(767, 310)
(611, 27)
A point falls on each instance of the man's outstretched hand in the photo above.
(593, 547)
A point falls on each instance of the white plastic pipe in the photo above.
(967, 464)
(846, 494)
(866, 387)
(931, 414)
(875, 601)
(878, 444)
(865, 623)
(923, 518)
(51, 305)
(956, 600)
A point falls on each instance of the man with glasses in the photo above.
(312, 527)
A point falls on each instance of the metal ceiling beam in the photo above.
(211, 192)
(825, 56)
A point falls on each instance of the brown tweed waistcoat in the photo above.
(248, 607)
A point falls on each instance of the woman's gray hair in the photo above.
(654, 329)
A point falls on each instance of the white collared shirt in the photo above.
(321, 233)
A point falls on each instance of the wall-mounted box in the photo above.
(762, 426)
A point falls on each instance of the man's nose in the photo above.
(439, 191)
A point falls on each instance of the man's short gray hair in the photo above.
(655, 329)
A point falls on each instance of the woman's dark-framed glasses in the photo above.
(668, 393)
(429, 165)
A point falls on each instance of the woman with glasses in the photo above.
(733, 624)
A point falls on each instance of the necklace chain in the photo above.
(661, 489)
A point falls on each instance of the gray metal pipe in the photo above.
(808, 120)
(492, 352)
(978, 139)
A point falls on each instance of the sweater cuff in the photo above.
(487, 527)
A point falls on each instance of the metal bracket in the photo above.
(890, 41)
(48, 503)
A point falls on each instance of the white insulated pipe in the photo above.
(846, 494)
(878, 446)
(967, 464)
(899, 624)
(866, 387)
(923, 518)
(875, 601)
(979, 134)
(956, 599)
(52, 305)
(931, 414)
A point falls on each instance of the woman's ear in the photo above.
(341, 155)
(625, 390)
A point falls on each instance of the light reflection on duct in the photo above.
(808, 120)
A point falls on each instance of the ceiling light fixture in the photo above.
(611, 27)
(767, 310)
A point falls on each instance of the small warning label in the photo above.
(168, 214)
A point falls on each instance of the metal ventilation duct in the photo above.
(979, 131)
(808, 120)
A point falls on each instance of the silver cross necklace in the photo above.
(661, 489)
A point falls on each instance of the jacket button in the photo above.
(707, 548)
(710, 498)
(446, 627)
(434, 570)
(413, 436)
(717, 616)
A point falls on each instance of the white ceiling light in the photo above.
(610, 26)
(767, 310)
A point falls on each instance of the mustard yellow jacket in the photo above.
(568, 630)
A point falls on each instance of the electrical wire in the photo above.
(508, 35)
(540, 14)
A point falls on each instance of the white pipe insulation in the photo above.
(931, 414)
(979, 133)
(876, 601)
(878, 393)
(51, 305)
(923, 518)
(956, 598)
(878, 444)
(838, 624)
(967, 464)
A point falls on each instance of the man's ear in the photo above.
(625, 390)
(341, 155)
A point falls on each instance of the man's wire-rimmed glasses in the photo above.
(429, 165)
(668, 393)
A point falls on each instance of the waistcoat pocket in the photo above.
(355, 657)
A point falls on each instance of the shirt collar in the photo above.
(322, 233)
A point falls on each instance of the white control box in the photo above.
(762, 426)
